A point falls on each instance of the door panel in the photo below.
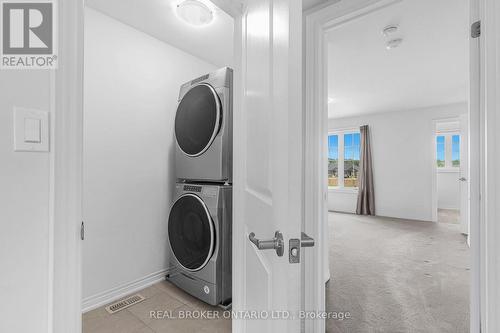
(268, 163)
(258, 96)
(259, 278)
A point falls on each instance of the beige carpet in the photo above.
(397, 276)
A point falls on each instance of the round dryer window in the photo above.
(197, 120)
(191, 232)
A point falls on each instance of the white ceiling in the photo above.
(307, 4)
(212, 43)
(429, 68)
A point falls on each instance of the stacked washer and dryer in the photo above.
(199, 224)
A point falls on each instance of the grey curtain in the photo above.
(366, 192)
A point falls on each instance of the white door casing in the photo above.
(464, 176)
(267, 163)
(474, 177)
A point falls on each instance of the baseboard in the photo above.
(98, 300)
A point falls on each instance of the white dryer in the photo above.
(203, 128)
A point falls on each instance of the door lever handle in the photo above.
(462, 179)
(276, 243)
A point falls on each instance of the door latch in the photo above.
(294, 246)
(276, 243)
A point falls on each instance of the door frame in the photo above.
(485, 272)
(65, 179)
(66, 172)
(317, 21)
(435, 171)
(487, 150)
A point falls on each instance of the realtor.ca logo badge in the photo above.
(29, 34)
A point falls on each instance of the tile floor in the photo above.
(162, 296)
(449, 216)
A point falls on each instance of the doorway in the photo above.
(137, 61)
(451, 171)
(392, 36)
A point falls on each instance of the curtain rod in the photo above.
(343, 129)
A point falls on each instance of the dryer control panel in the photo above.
(192, 188)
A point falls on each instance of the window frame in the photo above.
(341, 155)
(448, 150)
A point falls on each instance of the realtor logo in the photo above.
(28, 35)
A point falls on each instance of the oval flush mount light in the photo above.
(393, 43)
(195, 12)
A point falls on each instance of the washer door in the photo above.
(197, 120)
(191, 232)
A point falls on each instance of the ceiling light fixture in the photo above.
(393, 43)
(331, 100)
(195, 13)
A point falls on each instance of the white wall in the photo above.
(131, 86)
(24, 214)
(403, 153)
(448, 188)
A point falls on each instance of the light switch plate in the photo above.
(31, 130)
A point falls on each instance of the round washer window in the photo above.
(190, 232)
(197, 119)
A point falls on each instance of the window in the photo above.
(440, 151)
(333, 160)
(351, 159)
(455, 151)
(448, 150)
(343, 159)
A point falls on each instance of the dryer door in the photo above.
(191, 232)
(198, 119)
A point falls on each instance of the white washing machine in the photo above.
(199, 235)
(203, 128)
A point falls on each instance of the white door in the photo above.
(464, 175)
(267, 165)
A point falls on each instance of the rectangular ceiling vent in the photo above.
(124, 303)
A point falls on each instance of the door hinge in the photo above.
(475, 29)
(82, 231)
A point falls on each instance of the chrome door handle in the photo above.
(276, 243)
(462, 179)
